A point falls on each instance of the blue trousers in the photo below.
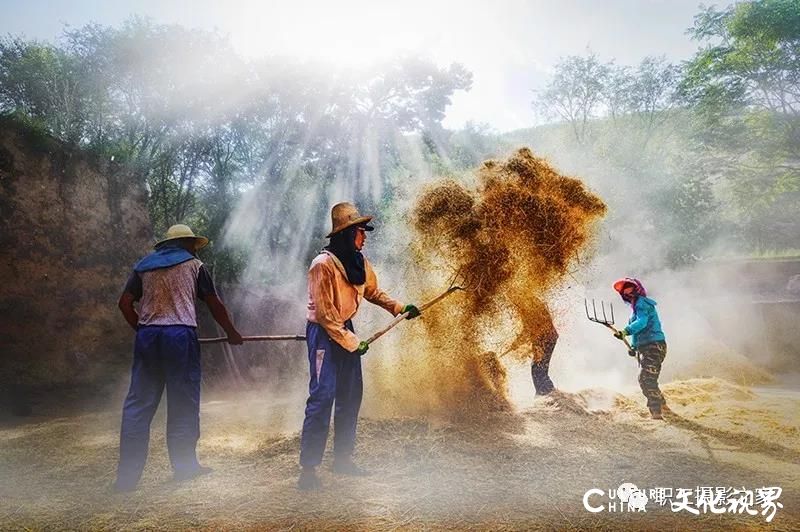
(163, 355)
(335, 378)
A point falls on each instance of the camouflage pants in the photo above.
(652, 355)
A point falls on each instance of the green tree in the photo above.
(204, 129)
(653, 94)
(42, 84)
(745, 86)
(575, 92)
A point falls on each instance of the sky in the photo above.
(510, 46)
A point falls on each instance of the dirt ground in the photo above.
(527, 470)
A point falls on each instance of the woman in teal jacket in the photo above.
(644, 328)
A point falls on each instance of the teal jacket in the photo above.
(644, 327)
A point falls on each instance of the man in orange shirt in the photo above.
(340, 277)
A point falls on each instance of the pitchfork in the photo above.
(607, 322)
(453, 288)
(221, 339)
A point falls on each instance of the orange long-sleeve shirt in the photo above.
(332, 299)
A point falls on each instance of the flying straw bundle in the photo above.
(512, 238)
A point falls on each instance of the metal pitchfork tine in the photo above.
(606, 322)
(458, 281)
(594, 318)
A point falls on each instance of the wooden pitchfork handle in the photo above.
(631, 350)
(301, 338)
(221, 339)
(403, 316)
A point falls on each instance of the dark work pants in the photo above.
(163, 356)
(651, 357)
(540, 368)
(335, 378)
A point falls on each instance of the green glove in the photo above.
(620, 334)
(362, 348)
(412, 310)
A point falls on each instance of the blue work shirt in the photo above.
(644, 327)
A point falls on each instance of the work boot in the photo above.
(655, 412)
(308, 481)
(346, 466)
(183, 476)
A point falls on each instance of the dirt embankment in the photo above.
(71, 226)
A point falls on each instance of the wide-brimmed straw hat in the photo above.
(344, 215)
(183, 231)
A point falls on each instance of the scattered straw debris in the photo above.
(513, 472)
(712, 358)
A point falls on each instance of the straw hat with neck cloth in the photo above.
(344, 215)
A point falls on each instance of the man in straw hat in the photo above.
(338, 279)
(167, 353)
